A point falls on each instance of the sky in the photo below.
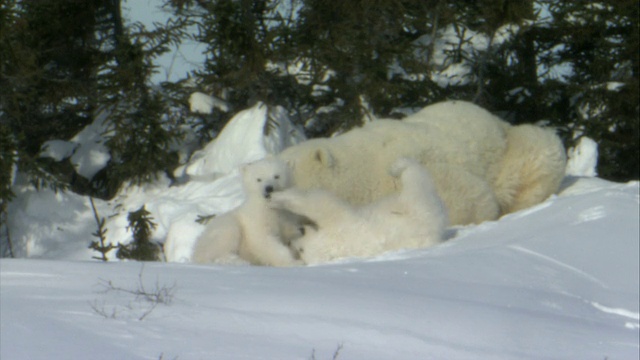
(175, 64)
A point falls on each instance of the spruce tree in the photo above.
(46, 80)
(141, 247)
(67, 63)
(602, 48)
(369, 48)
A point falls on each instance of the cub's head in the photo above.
(266, 176)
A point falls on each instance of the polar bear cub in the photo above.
(414, 217)
(253, 232)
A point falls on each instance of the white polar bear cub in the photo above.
(253, 232)
(414, 217)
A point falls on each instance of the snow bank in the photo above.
(40, 229)
(242, 141)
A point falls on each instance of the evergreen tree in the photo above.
(100, 245)
(65, 64)
(601, 45)
(330, 63)
(244, 40)
(572, 65)
(141, 248)
(362, 42)
(44, 86)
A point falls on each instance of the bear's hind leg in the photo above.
(220, 239)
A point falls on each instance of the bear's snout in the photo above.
(267, 191)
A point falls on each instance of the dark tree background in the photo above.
(64, 63)
(571, 65)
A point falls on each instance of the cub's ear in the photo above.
(290, 163)
(325, 157)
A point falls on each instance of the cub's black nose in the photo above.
(267, 191)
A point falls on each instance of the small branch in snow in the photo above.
(204, 219)
(335, 353)
(8, 235)
(159, 294)
(100, 234)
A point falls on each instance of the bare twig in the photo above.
(336, 353)
(157, 295)
(101, 310)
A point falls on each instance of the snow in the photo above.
(57, 150)
(87, 149)
(204, 104)
(558, 280)
(583, 158)
(244, 141)
(39, 229)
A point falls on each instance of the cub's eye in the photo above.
(259, 180)
(277, 177)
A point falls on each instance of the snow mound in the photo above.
(583, 158)
(39, 229)
(249, 136)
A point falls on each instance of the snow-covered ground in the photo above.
(556, 281)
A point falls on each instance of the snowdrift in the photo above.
(558, 281)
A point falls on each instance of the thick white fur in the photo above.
(414, 217)
(472, 155)
(253, 232)
(531, 169)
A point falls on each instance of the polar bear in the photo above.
(531, 169)
(414, 217)
(467, 149)
(253, 232)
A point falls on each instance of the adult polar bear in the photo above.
(414, 217)
(482, 167)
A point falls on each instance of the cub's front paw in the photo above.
(281, 200)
